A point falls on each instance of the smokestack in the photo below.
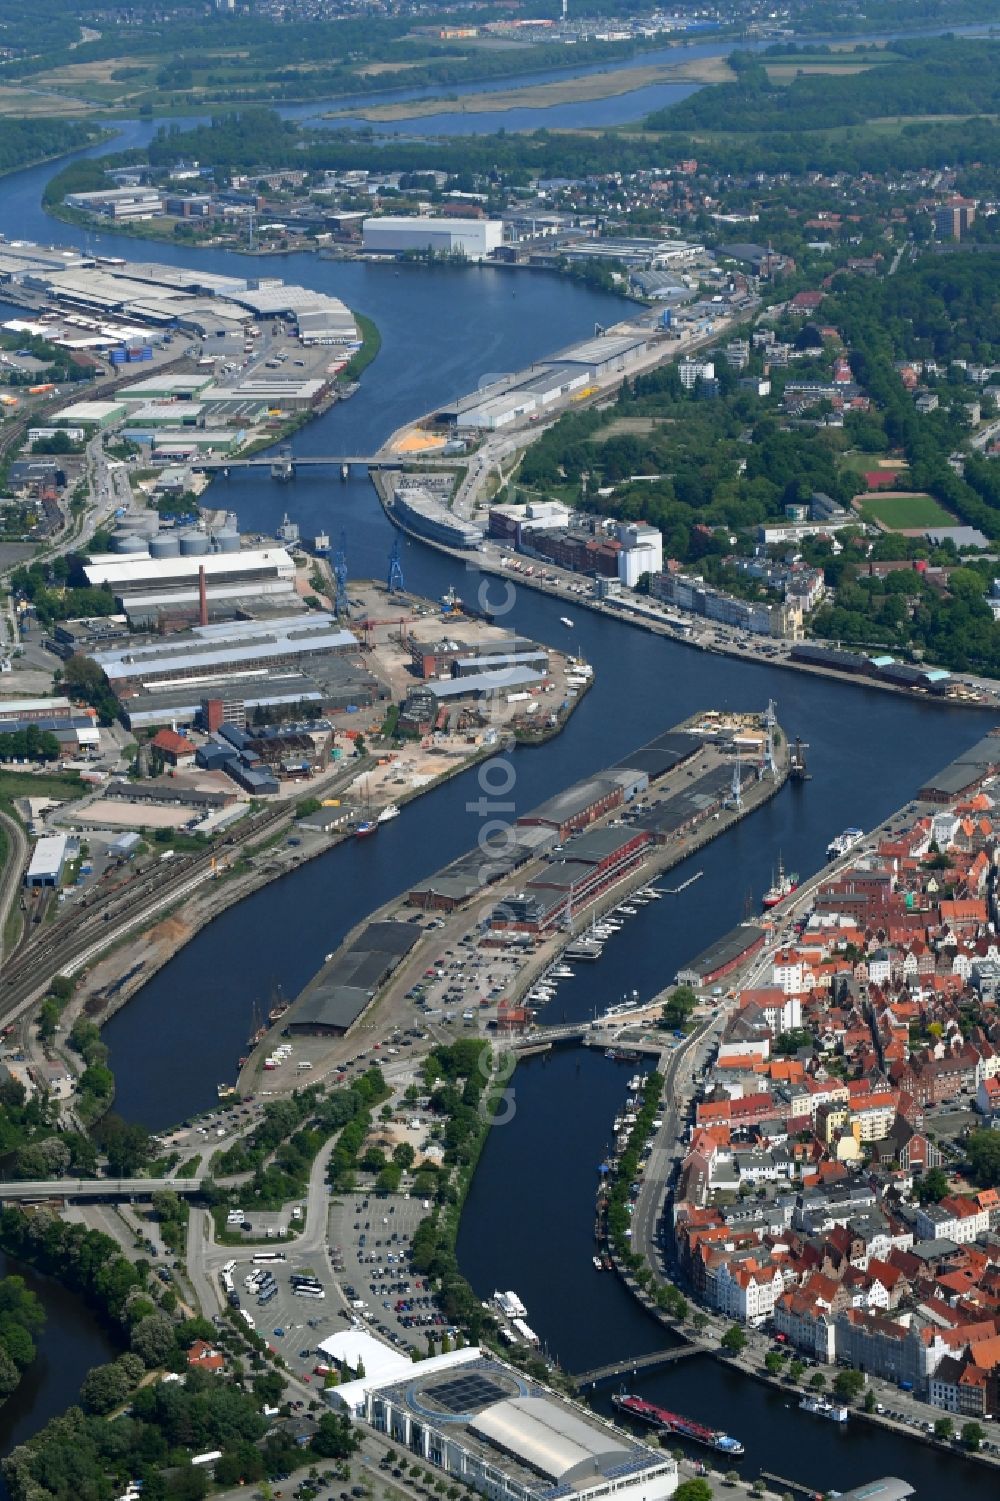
(202, 596)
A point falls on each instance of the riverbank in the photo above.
(397, 773)
(581, 89)
(617, 609)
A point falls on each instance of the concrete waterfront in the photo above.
(481, 973)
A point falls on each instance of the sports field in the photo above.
(899, 512)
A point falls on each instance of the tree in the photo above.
(403, 1155)
(104, 1388)
(734, 1341)
(973, 1435)
(869, 1402)
(983, 1151)
(932, 1187)
(848, 1384)
(153, 1339)
(818, 1381)
(679, 1006)
(773, 1362)
(126, 1146)
(795, 1370)
(944, 1429)
(693, 1490)
(334, 1437)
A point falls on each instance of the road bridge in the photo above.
(636, 1364)
(95, 1188)
(299, 461)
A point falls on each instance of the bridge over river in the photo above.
(638, 1363)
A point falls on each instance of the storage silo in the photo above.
(193, 544)
(166, 545)
(130, 542)
(227, 538)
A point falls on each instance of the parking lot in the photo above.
(372, 1284)
(370, 1240)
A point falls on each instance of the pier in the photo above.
(779, 1482)
(636, 1364)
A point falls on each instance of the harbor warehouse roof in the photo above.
(343, 988)
(886, 1489)
(549, 1438)
(721, 956)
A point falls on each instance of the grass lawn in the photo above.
(902, 512)
(856, 462)
(62, 785)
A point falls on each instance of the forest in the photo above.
(25, 141)
(951, 76)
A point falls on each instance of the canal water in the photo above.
(528, 1226)
(442, 332)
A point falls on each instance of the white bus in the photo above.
(227, 1282)
(269, 1256)
(302, 1290)
(229, 1268)
(247, 1319)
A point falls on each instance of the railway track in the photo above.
(73, 938)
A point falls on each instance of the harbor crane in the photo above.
(394, 582)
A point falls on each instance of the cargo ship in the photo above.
(786, 883)
(672, 1422)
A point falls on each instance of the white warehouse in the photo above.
(474, 238)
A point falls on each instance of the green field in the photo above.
(905, 512)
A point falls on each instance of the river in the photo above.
(72, 1341)
(442, 332)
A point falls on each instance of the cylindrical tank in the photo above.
(193, 544)
(167, 545)
(226, 539)
(128, 542)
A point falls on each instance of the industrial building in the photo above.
(211, 653)
(637, 254)
(485, 1425)
(569, 374)
(965, 774)
(163, 573)
(392, 235)
(420, 509)
(90, 414)
(75, 729)
(592, 862)
(151, 296)
(48, 860)
(642, 552)
(346, 985)
(723, 956)
(119, 203)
